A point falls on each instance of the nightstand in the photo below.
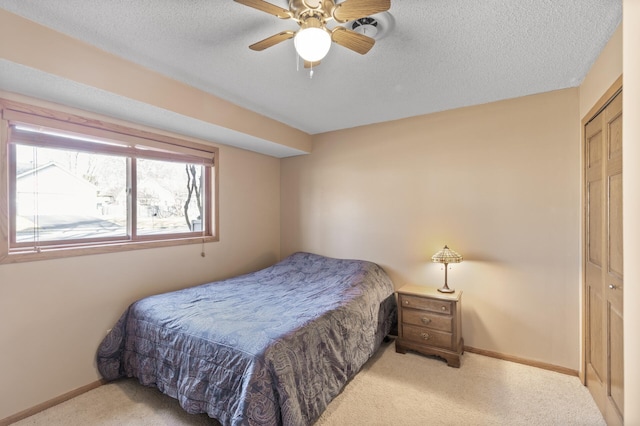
(429, 322)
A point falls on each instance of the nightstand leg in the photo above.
(453, 362)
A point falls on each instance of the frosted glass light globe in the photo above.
(312, 44)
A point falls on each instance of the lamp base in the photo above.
(446, 290)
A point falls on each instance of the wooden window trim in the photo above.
(14, 113)
(23, 113)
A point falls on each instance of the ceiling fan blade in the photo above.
(267, 7)
(355, 9)
(352, 40)
(272, 41)
(308, 64)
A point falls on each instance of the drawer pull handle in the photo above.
(444, 308)
(425, 336)
(406, 302)
(425, 320)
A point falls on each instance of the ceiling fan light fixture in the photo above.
(312, 44)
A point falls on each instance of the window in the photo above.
(80, 186)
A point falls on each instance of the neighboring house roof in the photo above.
(24, 171)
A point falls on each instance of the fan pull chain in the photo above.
(298, 60)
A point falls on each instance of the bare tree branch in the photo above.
(194, 185)
(189, 192)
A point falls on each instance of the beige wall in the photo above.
(603, 73)
(54, 313)
(499, 183)
(631, 208)
(43, 49)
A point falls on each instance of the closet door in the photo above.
(603, 256)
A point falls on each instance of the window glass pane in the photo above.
(169, 197)
(66, 195)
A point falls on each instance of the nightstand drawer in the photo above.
(434, 305)
(427, 336)
(427, 319)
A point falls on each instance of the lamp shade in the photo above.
(446, 255)
(312, 44)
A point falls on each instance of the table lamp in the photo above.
(446, 256)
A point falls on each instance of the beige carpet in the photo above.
(391, 389)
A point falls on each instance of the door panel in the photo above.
(597, 343)
(595, 323)
(616, 371)
(604, 269)
(594, 247)
(614, 271)
(615, 226)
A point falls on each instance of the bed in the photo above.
(272, 347)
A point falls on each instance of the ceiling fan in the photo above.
(313, 40)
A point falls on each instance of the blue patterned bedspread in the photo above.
(267, 348)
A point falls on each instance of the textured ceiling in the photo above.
(435, 54)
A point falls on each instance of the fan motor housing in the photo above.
(303, 9)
